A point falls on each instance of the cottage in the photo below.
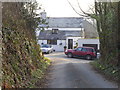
(60, 38)
(64, 31)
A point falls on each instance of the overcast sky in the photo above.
(61, 8)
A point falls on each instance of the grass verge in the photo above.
(39, 75)
(110, 72)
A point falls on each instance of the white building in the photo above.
(62, 31)
(89, 43)
(60, 38)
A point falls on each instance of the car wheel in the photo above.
(88, 57)
(69, 55)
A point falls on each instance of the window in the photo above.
(46, 46)
(91, 50)
(84, 49)
(79, 49)
(52, 42)
(54, 31)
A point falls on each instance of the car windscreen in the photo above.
(45, 46)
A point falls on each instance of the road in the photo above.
(74, 73)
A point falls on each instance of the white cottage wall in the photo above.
(42, 41)
(60, 45)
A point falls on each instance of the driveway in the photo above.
(74, 73)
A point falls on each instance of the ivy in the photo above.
(22, 58)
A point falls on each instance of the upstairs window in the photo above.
(54, 31)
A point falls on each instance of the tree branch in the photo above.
(76, 10)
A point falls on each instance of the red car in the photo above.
(86, 52)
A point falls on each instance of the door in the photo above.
(70, 43)
(78, 52)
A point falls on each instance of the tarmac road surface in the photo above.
(74, 73)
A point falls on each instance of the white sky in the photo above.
(61, 8)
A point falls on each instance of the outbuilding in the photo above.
(89, 43)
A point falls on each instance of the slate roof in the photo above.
(61, 35)
(65, 22)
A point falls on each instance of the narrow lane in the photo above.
(74, 73)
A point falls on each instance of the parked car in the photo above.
(46, 48)
(85, 52)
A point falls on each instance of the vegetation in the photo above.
(23, 63)
(110, 71)
(106, 15)
(65, 47)
(107, 20)
(76, 45)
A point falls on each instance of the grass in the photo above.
(109, 71)
(39, 75)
